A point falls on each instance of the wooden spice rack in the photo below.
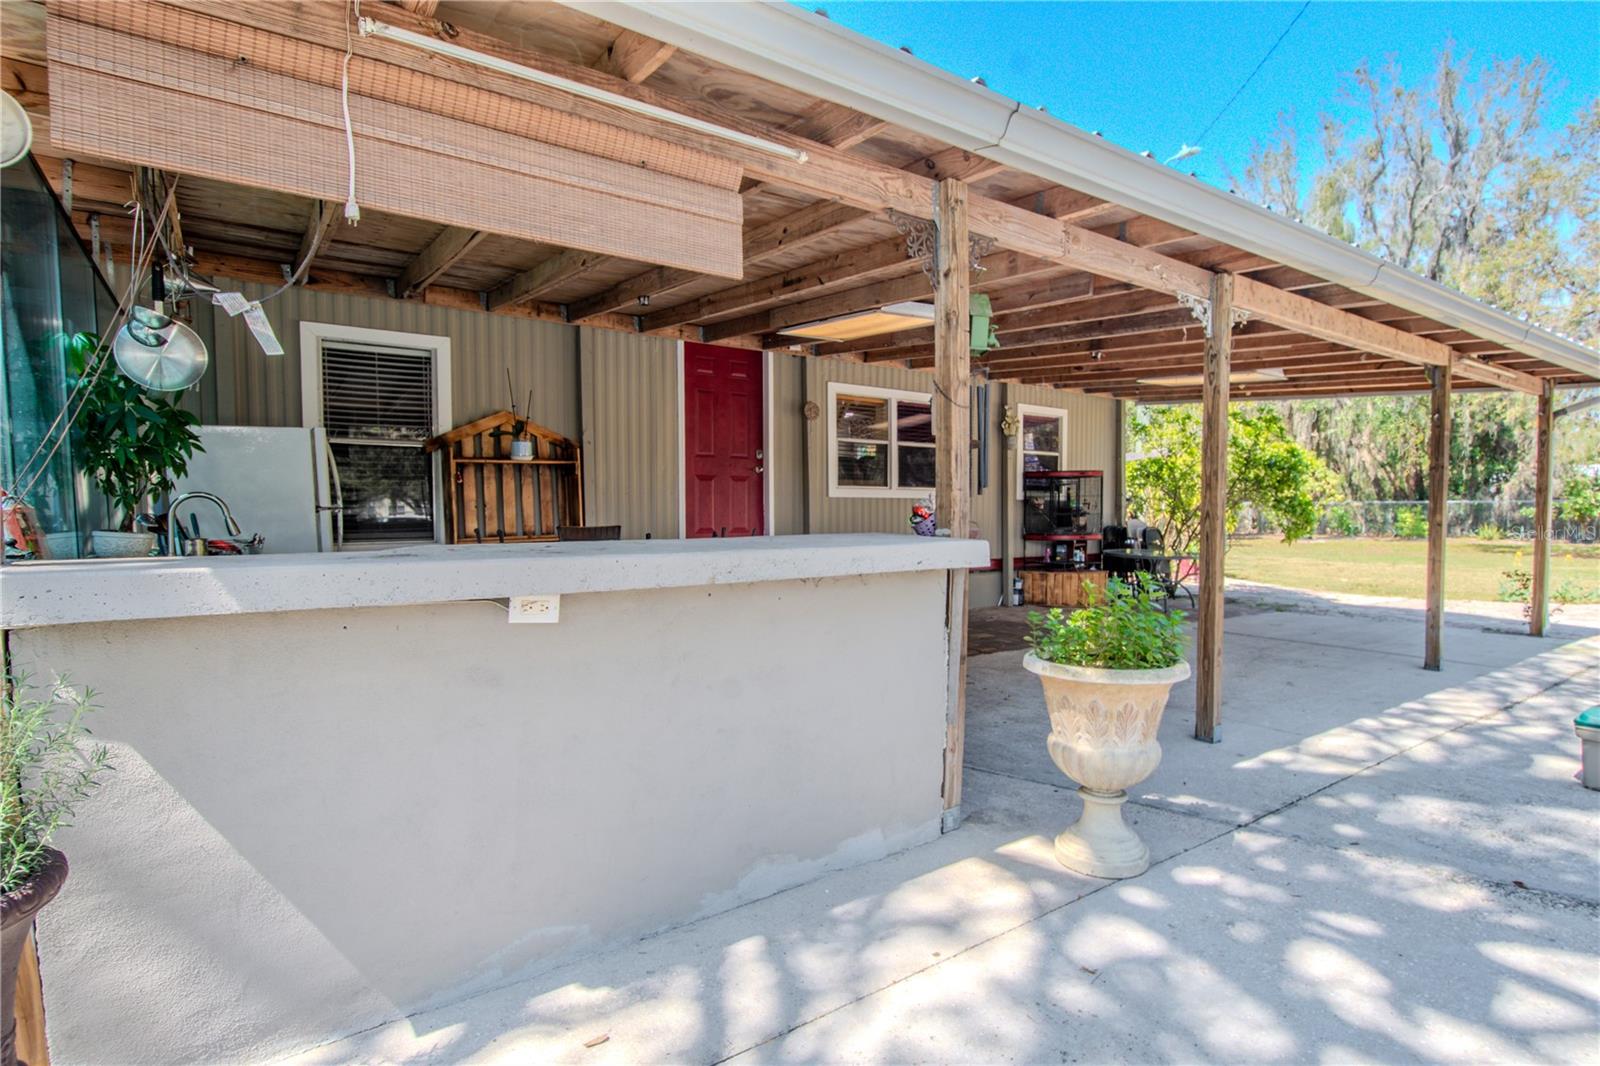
(491, 498)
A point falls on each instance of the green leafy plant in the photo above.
(1266, 468)
(1122, 630)
(1410, 523)
(1489, 531)
(1573, 591)
(1342, 522)
(134, 443)
(47, 766)
(1581, 498)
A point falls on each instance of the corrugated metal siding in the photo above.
(1091, 432)
(630, 431)
(786, 461)
(628, 411)
(252, 389)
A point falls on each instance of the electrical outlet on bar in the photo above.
(535, 608)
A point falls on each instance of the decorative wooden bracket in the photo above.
(1200, 308)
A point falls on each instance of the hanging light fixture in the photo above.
(155, 349)
(16, 131)
(870, 323)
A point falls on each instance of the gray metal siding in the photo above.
(248, 388)
(630, 431)
(627, 410)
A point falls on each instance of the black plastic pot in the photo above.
(17, 910)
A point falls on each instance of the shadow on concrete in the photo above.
(1378, 863)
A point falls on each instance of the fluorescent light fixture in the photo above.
(371, 27)
(860, 324)
(1239, 377)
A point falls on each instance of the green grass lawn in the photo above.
(1374, 566)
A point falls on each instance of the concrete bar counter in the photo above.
(348, 787)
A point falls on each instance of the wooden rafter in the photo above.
(443, 252)
(853, 187)
(542, 277)
(633, 57)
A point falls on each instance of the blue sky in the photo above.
(1152, 75)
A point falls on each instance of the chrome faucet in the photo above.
(175, 526)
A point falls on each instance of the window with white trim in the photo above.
(380, 395)
(1041, 438)
(880, 441)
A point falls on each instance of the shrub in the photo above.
(47, 765)
(1581, 501)
(1122, 630)
(1489, 531)
(1574, 591)
(1411, 523)
(1342, 522)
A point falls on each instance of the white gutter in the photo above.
(794, 47)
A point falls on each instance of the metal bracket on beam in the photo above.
(922, 243)
(1200, 308)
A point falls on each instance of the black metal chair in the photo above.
(1115, 538)
(1161, 571)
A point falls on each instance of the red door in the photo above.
(722, 435)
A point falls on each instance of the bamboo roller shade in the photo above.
(191, 110)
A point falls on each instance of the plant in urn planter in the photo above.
(47, 765)
(1107, 670)
(134, 442)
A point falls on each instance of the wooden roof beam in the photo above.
(434, 261)
(835, 125)
(633, 57)
(956, 163)
(323, 215)
(830, 173)
(914, 286)
(542, 277)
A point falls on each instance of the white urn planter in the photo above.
(1103, 735)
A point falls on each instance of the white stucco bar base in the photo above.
(326, 819)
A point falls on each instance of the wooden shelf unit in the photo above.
(491, 498)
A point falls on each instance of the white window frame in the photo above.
(1057, 413)
(872, 392)
(312, 337)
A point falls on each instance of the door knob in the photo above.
(759, 469)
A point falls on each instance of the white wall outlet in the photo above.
(536, 608)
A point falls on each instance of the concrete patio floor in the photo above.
(1376, 863)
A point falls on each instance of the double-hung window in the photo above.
(379, 403)
(1039, 440)
(880, 441)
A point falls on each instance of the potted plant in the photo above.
(1107, 670)
(134, 443)
(46, 767)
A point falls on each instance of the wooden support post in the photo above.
(1213, 511)
(1438, 507)
(1544, 464)
(952, 429)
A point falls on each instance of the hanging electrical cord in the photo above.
(352, 210)
(1249, 78)
(142, 252)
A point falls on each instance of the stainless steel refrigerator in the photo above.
(281, 483)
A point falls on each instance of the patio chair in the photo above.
(1115, 538)
(1162, 572)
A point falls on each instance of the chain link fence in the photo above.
(1484, 519)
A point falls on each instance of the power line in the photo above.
(1243, 85)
